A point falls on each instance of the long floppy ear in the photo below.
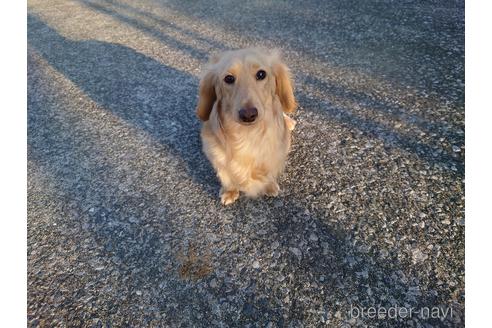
(284, 89)
(207, 96)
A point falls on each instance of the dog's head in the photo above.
(245, 83)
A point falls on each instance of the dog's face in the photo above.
(245, 87)
(245, 83)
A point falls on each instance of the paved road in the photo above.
(124, 223)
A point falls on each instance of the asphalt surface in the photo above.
(125, 227)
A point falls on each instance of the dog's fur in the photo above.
(246, 157)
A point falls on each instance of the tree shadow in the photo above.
(402, 42)
(117, 255)
(384, 106)
(111, 8)
(430, 151)
(129, 234)
(145, 93)
(433, 153)
(337, 270)
(151, 30)
(137, 88)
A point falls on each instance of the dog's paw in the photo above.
(272, 189)
(291, 123)
(229, 197)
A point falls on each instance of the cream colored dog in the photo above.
(244, 95)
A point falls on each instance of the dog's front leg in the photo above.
(272, 189)
(228, 193)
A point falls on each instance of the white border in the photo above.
(13, 181)
(13, 162)
(478, 164)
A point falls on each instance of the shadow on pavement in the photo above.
(151, 27)
(145, 93)
(429, 151)
(166, 39)
(379, 38)
(137, 88)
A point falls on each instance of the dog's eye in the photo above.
(229, 79)
(260, 75)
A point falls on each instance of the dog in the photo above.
(244, 96)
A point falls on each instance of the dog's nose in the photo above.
(248, 114)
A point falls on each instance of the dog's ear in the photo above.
(284, 88)
(207, 96)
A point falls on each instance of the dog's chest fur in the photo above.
(249, 152)
(263, 147)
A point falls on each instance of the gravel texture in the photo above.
(125, 227)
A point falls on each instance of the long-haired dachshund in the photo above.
(243, 98)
